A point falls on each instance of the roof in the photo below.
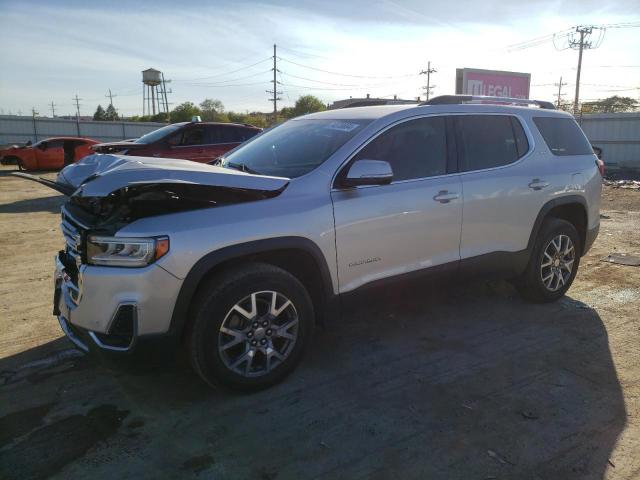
(48, 139)
(373, 113)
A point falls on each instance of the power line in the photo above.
(225, 73)
(231, 79)
(346, 74)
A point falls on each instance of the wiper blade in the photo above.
(242, 167)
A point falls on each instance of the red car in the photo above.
(49, 154)
(197, 141)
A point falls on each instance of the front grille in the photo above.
(72, 232)
(71, 257)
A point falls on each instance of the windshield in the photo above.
(158, 134)
(294, 148)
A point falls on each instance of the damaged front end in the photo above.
(130, 203)
(108, 192)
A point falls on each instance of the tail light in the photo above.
(601, 167)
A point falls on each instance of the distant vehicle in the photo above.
(197, 141)
(50, 154)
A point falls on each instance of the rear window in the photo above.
(563, 136)
(490, 141)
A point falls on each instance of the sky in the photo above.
(52, 50)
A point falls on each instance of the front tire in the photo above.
(553, 264)
(250, 327)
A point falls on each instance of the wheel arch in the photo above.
(298, 255)
(572, 208)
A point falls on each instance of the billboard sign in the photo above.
(493, 83)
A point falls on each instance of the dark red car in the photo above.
(197, 141)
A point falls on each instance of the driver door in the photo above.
(50, 155)
(409, 225)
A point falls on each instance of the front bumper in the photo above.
(112, 308)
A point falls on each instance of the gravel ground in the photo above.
(463, 382)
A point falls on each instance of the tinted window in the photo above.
(193, 136)
(414, 149)
(55, 144)
(294, 148)
(158, 134)
(563, 136)
(489, 141)
(244, 134)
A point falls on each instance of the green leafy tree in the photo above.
(100, 114)
(184, 112)
(111, 114)
(308, 104)
(162, 117)
(287, 112)
(213, 111)
(611, 105)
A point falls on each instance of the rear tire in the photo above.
(250, 326)
(553, 264)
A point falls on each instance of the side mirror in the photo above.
(368, 172)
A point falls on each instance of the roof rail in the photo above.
(459, 99)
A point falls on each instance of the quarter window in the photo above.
(489, 141)
(414, 149)
(563, 136)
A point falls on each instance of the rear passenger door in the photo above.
(188, 144)
(409, 225)
(496, 166)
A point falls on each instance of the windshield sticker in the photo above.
(342, 126)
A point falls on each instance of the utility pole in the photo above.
(275, 91)
(428, 73)
(580, 45)
(110, 95)
(53, 109)
(560, 94)
(77, 100)
(33, 116)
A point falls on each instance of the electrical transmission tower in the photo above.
(560, 94)
(110, 96)
(33, 117)
(53, 109)
(428, 73)
(275, 91)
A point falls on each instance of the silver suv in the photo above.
(239, 260)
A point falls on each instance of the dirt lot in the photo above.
(467, 382)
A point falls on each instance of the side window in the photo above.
(193, 136)
(244, 134)
(55, 144)
(563, 136)
(489, 141)
(414, 149)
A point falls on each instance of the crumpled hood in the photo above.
(99, 175)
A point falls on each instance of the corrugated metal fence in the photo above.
(14, 129)
(618, 134)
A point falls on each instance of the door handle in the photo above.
(444, 196)
(537, 184)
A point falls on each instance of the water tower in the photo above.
(154, 92)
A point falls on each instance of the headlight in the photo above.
(125, 252)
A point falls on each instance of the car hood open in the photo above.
(99, 175)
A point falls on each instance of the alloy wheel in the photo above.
(258, 333)
(557, 262)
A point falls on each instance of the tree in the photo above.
(213, 111)
(611, 105)
(100, 114)
(307, 104)
(111, 114)
(184, 112)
